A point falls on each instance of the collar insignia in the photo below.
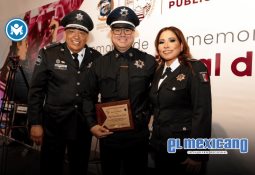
(89, 65)
(131, 54)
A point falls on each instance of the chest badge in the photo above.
(180, 77)
(139, 63)
(89, 65)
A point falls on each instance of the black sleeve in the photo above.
(202, 105)
(90, 97)
(37, 90)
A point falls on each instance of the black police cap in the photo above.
(122, 17)
(78, 19)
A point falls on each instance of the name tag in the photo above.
(60, 66)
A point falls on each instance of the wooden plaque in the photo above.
(115, 116)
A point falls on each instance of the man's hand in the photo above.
(192, 165)
(100, 131)
(36, 134)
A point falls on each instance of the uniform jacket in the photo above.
(104, 79)
(182, 104)
(56, 87)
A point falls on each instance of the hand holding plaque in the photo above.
(115, 116)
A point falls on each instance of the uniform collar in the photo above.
(173, 66)
(128, 54)
(81, 53)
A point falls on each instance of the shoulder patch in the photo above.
(204, 77)
(38, 60)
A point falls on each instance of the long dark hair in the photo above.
(185, 55)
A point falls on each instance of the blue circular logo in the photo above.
(16, 29)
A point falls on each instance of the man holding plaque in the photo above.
(122, 77)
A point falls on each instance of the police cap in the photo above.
(78, 19)
(122, 17)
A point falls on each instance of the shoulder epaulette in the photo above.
(51, 45)
(92, 50)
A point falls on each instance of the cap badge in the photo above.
(180, 77)
(123, 12)
(79, 17)
(139, 63)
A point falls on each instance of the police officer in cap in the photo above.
(124, 73)
(55, 110)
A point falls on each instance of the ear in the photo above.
(181, 47)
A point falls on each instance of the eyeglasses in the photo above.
(118, 31)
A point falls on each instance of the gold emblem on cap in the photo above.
(139, 63)
(79, 17)
(180, 77)
(123, 12)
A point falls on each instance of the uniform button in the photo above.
(76, 106)
(77, 95)
(184, 128)
(78, 72)
(78, 83)
(173, 88)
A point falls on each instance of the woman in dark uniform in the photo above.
(181, 99)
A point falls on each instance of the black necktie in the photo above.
(123, 81)
(76, 61)
(167, 72)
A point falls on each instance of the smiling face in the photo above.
(122, 38)
(76, 39)
(169, 47)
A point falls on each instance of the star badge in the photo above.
(79, 17)
(89, 65)
(180, 77)
(139, 63)
(123, 12)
